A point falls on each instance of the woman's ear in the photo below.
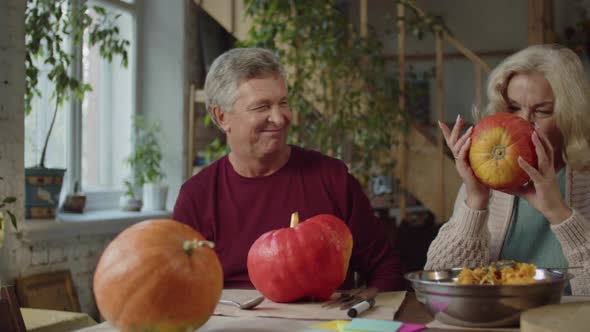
(220, 118)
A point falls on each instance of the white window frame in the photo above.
(97, 199)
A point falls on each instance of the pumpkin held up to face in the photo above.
(158, 275)
(496, 143)
(306, 260)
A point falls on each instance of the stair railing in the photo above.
(441, 35)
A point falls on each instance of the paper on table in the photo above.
(409, 327)
(251, 324)
(331, 325)
(371, 325)
(386, 304)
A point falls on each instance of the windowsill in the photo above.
(69, 225)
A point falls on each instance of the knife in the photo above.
(365, 295)
(344, 297)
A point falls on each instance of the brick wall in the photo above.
(12, 80)
(77, 253)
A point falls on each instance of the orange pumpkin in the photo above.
(306, 260)
(496, 143)
(158, 275)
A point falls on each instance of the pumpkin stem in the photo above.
(190, 245)
(294, 219)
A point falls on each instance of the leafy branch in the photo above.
(344, 98)
(146, 156)
(52, 27)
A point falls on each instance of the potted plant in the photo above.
(76, 201)
(145, 162)
(5, 201)
(131, 199)
(344, 99)
(52, 28)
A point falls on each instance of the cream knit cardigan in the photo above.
(475, 237)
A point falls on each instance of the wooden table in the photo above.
(411, 311)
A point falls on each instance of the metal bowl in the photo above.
(484, 305)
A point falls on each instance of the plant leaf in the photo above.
(12, 219)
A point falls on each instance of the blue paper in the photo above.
(372, 325)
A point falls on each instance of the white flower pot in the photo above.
(154, 196)
(128, 203)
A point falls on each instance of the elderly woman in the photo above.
(547, 221)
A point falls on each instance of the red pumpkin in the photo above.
(158, 275)
(496, 143)
(306, 260)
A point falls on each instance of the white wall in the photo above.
(12, 88)
(162, 84)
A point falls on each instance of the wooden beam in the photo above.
(478, 86)
(440, 115)
(364, 18)
(230, 14)
(402, 153)
(190, 156)
(449, 55)
(540, 22)
(467, 52)
(196, 96)
(446, 36)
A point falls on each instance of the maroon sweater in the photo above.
(233, 211)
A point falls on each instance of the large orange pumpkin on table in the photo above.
(305, 260)
(496, 143)
(158, 275)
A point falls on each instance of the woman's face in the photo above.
(530, 96)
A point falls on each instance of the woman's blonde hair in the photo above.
(564, 71)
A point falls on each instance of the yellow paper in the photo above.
(341, 326)
(333, 325)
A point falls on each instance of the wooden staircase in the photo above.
(424, 168)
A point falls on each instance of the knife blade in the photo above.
(364, 295)
(343, 297)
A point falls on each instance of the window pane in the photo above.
(37, 123)
(106, 114)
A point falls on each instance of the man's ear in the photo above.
(220, 117)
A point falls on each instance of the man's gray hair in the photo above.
(232, 68)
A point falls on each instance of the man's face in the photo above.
(259, 123)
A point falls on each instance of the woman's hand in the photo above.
(478, 195)
(542, 192)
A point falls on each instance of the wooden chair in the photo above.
(11, 319)
(52, 290)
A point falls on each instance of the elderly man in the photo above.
(256, 187)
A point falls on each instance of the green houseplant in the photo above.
(145, 163)
(5, 202)
(52, 27)
(344, 99)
